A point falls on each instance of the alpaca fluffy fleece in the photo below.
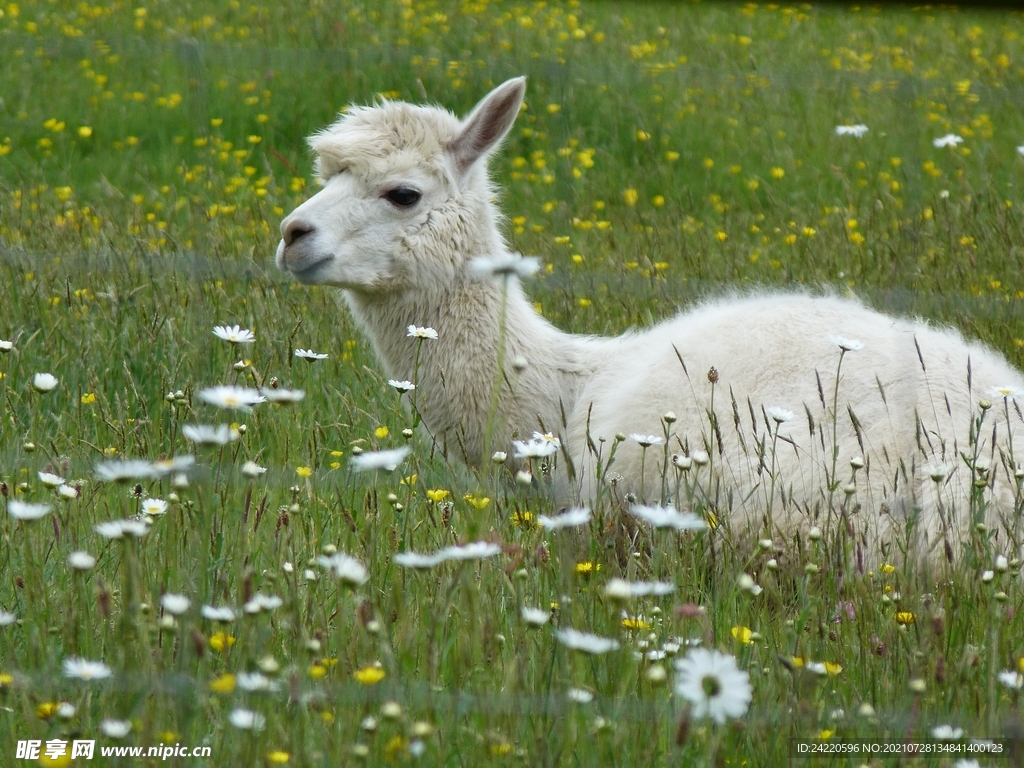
(904, 406)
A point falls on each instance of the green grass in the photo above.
(668, 152)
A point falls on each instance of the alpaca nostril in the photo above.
(294, 230)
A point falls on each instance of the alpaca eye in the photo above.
(403, 196)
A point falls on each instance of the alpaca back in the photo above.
(903, 406)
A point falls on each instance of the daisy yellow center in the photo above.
(712, 686)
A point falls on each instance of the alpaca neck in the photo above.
(457, 373)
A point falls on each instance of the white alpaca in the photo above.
(407, 204)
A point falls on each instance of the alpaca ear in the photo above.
(487, 124)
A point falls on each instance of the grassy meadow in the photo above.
(667, 151)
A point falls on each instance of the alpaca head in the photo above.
(405, 199)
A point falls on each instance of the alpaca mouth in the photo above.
(304, 266)
(309, 271)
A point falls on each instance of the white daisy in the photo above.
(175, 604)
(1020, 151)
(344, 568)
(235, 334)
(857, 131)
(231, 397)
(125, 469)
(1012, 680)
(81, 561)
(949, 140)
(536, 617)
(585, 641)
(154, 507)
(202, 434)
(164, 467)
(966, 764)
(254, 681)
(247, 720)
(572, 518)
(118, 529)
(421, 332)
(622, 589)
(401, 386)
(282, 395)
(713, 684)
(1007, 391)
(667, 517)
(476, 551)
(27, 510)
(217, 613)
(262, 602)
(6, 346)
(7, 618)
(50, 480)
(309, 354)
(579, 695)
(845, 344)
(947, 733)
(388, 460)
(503, 265)
(83, 669)
(66, 710)
(646, 441)
(779, 415)
(115, 729)
(66, 491)
(252, 469)
(44, 382)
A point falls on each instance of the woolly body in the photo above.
(407, 204)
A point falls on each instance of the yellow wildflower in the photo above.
(743, 634)
(223, 684)
(370, 675)
(221, 641)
